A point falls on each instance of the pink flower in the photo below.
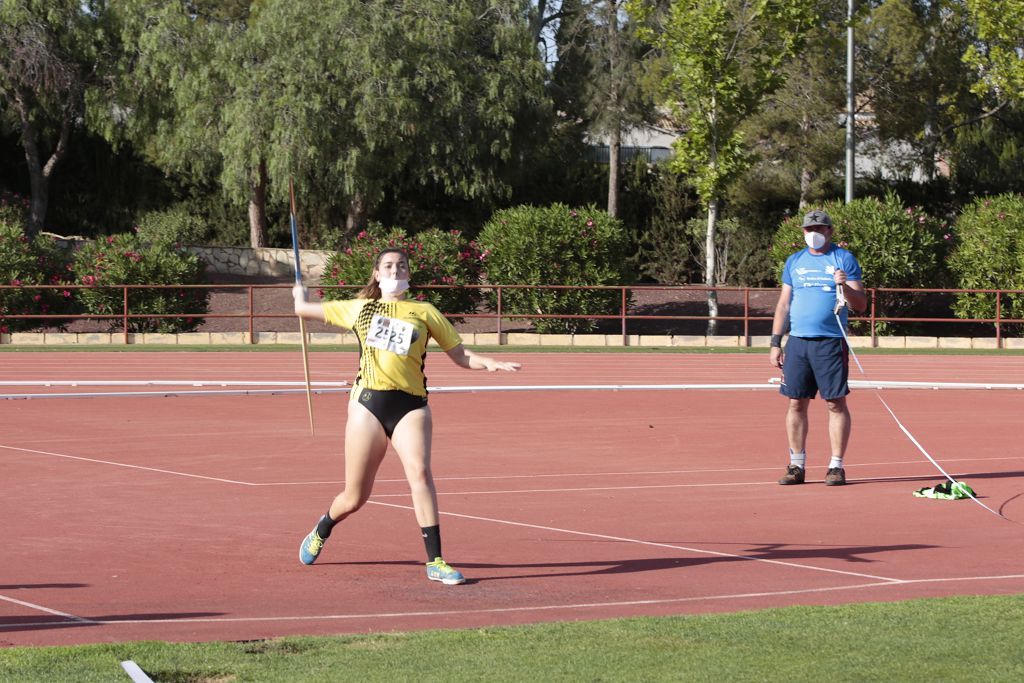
(16, 283)
(67, 294)
(590, 224)
(88, 280)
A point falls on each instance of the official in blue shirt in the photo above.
(818, 283)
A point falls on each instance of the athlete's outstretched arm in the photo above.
(465, 358)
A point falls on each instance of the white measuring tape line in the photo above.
(840, 304)
(135, 672)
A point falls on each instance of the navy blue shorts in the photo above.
(816, 364)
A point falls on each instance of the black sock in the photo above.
(324, 526)
(432, 541)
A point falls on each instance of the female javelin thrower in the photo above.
(389, 398)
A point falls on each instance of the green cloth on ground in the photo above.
(947, 491)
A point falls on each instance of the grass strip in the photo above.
(940, 639)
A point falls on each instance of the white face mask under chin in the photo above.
(815, 240)
(389, 285)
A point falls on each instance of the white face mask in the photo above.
(389, 285)
(815, 240)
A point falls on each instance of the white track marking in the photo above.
(121, 464)
(40, 608)
(135, 672)
(504, 610)
(503, 477)
(670, 546)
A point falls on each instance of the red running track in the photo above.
(179, 518)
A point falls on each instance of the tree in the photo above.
(601, 56)
(189, 89)
(720, 60)
(353, 98)
(915, 82)
(427, 94)
(797, 139)
(998, 57)
(50, 55)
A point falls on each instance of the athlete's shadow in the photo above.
(46, 622)
(779, 552)
(15, 586)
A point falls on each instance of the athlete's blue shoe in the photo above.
(439, 570)
(310, 548)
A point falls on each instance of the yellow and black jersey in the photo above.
(392, 339)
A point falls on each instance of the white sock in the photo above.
(836, 461)
(797, 459)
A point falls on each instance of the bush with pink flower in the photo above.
(125, 259)
(989, 254)
(558, 245)
(443, 258)
(25, 264)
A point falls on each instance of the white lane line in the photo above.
(653, 544)
(40, 608)
(503, 610)
(121, 464)
(501, 477)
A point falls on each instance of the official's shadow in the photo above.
(938, 478)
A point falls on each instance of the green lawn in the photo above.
(949, 639)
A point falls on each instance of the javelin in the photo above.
(302, 323)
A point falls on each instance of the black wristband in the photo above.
(776, 341)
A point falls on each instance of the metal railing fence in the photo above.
(494, 307)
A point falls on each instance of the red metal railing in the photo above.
(625, 315)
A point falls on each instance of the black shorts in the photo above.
(813, 364)
(389, 407)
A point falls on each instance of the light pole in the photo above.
(851, 104)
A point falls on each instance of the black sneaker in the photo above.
(836, 476)
(794, 475)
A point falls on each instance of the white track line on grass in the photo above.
(505, 610)
(121, 464)
(653, 544)
(40, 608)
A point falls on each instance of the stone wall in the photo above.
(265, 261)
